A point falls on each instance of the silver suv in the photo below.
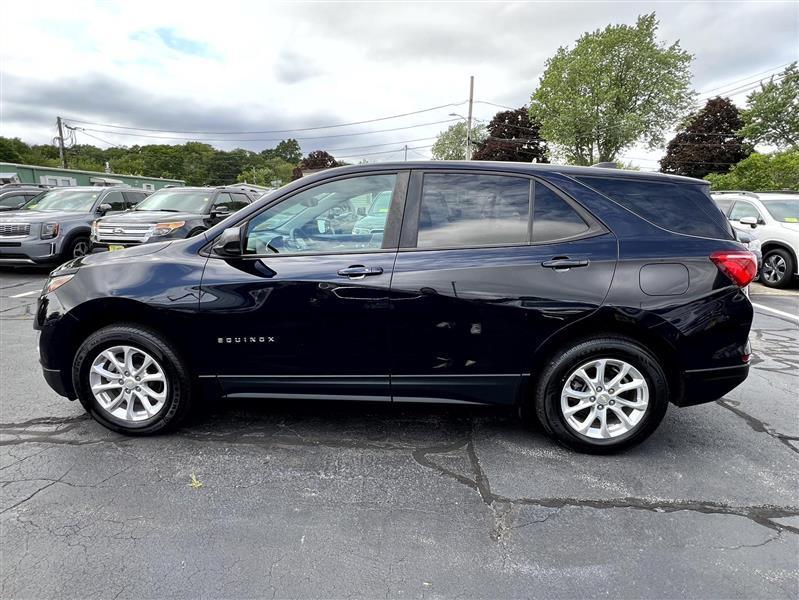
(774, 217)
(54, 226)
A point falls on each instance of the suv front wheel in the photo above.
(131, 381)
(602, 395)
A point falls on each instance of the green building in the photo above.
(14, 173)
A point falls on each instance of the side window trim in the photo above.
(410, 224)
(393, 221)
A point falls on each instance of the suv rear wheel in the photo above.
(778, 268)
(602, 395)
(131, 381)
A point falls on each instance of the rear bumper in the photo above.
(708, 385)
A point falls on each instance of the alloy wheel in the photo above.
(774, 268)
(604, 398)
(81, 248)
(128, 383)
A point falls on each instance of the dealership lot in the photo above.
(316, 499)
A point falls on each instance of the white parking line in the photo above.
(782, 313)
(24, 294)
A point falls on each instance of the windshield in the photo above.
(786, 210)
(192, 201)
(380, 205)
(67, 200)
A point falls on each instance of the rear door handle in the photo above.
(357, 271)
(564, 263)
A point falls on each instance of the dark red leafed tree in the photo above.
(513, 136)
(708, 142)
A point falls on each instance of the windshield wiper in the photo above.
(158, 209)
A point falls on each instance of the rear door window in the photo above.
(682, 208)
(465, 210)
(553, 218)
(239, 201)
(133, 198)
(116, 201)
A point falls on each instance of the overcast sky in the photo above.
(242, 67)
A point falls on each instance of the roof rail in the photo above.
(778, 191)
(24, 185)
(606, 165)
(737, 193)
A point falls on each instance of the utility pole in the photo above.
(469, 120)
(406, 152)
(61, 154)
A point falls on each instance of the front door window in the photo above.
(331, 218)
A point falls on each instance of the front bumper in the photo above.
(59, 384)
(30, 251)
(708, 385)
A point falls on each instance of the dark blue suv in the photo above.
(589, 298)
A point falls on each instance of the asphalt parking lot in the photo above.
(353, 500)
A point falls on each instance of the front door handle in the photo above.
(563, 263)
(358, 271)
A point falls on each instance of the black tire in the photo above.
(76, 247)
(770, 275)
(547, 400)
(196, 231)
(179, 390)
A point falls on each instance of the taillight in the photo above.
(738, 265)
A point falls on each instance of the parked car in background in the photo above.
(55, 225)
(752, 243)
(169, 214)
(565, 291)
(14, 195)
(774, 217)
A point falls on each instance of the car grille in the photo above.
(127, 232)
(15, 229)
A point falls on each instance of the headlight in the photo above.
(49, 230)
(56, 282)
(167, 228)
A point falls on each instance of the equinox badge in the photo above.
(247, 340)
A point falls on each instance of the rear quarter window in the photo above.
(681, 208)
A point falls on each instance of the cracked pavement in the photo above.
(357, 500)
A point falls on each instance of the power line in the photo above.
(386, 151)
(375, 120)
(743, 79)
(322, 137)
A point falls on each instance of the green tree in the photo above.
(288, 150)
(513, 136)
(12, 150)
(275, 171)
(616, 87)
(772, 116)
(779, 171)
(708, 142)
(451, 143)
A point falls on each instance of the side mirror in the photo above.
(220, 211)
(361, 211)
(104, 208)
(229, 243)
(751, 221)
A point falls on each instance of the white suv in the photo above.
(774, 216)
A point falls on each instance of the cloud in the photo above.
(292, 67)
(154, 64)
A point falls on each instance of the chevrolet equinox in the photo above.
(590, 298)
